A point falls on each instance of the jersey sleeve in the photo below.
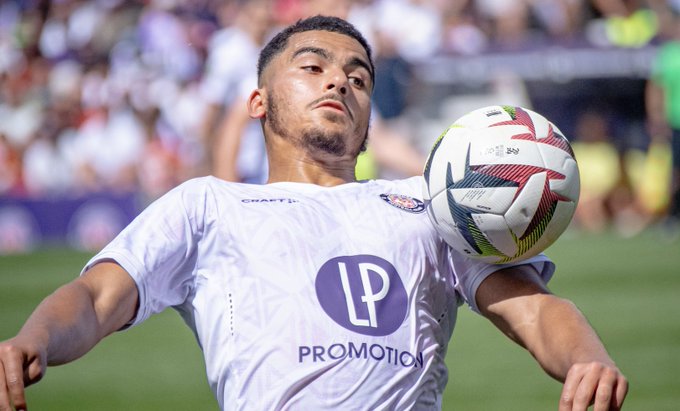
(470, 273)
(158, 248)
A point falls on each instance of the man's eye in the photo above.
(357, 81)
(312, 69)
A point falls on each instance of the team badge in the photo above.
(402, 202)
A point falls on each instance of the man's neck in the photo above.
(293, 164)
(309, 171)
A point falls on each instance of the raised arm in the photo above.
(65, 326)
(557, 334)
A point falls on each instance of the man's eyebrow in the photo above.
(314, 50)
(356, 61)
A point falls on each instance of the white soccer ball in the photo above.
(502, 184)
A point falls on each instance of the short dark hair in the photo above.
(321, 23)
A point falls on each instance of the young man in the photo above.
(315, 291)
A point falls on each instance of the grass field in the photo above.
(628, 288)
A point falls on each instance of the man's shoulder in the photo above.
(411, 185)
(216, 185)
(211, 196)
(196, 183)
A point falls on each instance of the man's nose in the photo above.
(337, 81)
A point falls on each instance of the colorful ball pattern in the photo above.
(502, 184)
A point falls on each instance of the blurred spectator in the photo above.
(608, 198)
(562, 20)
(390, 153)
(509, 23)
(21, 101)
(47, 166)
(413, 27)
(663, 105)
(600, 165)
(163, 41)
(624, 23)
(393, 78)
(10, 168)
(107, 148)
(238, 153)
(461, 32)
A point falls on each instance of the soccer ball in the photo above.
(502, 184)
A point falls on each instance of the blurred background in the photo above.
(107, 104)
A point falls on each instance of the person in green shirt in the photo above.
(663, 106)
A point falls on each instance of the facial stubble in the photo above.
(312, 138)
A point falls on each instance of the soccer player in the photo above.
(314, 291)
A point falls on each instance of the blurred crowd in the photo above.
(122, 95)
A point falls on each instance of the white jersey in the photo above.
(305, 297)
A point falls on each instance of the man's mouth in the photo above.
(333, 103)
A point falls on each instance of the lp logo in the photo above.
(362, 293)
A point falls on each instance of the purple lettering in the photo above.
(353, 353)
(318, 353)
(342, 351)
(379, 349)
(409, 357)
(303, 351)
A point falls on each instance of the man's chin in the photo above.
(325, 141)
(334, 116)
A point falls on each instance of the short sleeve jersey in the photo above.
(305, 297)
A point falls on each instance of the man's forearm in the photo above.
(553, 330)
(557, 335)
(64, 325)
(563, 337)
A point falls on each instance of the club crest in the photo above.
(402, 202)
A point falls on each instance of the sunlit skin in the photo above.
(321, 85)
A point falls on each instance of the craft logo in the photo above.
(403, 202)
(269, 200)
(362, 293)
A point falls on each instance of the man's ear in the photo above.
(256, 104)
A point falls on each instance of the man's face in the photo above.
(318, 93)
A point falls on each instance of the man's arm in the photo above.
(228, 142)
(656, 112)
(557, 334)
(65, 326)
(393, 152)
